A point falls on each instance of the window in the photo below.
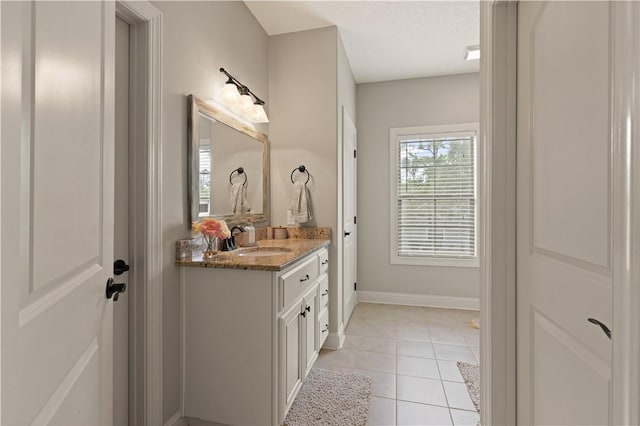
(205, 179)
(434, 195)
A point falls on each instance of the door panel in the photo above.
(563, 212)
(349, 192)
(582, 400)
(57, 211)
(569, 80)
(311, 327)
(290, 356)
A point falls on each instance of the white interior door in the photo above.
(121, 226)
(57, 212)
(564, 256)
(349, 194)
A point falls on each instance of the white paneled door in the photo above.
(57, 212)
(349, 194)
(564, 256)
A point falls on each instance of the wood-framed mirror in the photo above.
(228, 165)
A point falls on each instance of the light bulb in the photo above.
(229, 94)
(258, 115)
(246, 104)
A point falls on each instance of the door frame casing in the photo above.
(345, 114)
(498, 41)
(625, 163)
(146, 247)
(498, 73)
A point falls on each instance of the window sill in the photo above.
(436, 261)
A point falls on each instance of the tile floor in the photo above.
(411, 355)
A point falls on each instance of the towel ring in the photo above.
(239, 171)
(301, 169)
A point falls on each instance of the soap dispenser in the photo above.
(251, 234)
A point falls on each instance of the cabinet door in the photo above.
(311, 328)
(291, 327)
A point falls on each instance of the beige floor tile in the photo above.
(458, 396)
(410, 353)
(383, 384)
(476, 353)
(472, 339)
(372, 330)
(410, 413)
(417, 367)
(382, 412)
(424, 391)
(448, 338)
(416, 333)
(449, 371)
(352, 341)
(465, 418)
(417, 349)
(339, 358)
(453, 353)
(372, 361)
(376, 344)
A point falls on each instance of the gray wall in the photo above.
(380, 106)
(199, 38)
(303, 130)
(310, 79)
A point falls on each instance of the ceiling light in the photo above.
(472, 53)
(239, 98)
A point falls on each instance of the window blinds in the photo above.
(436, 201)
(205, 180)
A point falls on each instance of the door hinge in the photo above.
(355, 220)
(354, 153)
(355, 286)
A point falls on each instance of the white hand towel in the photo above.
(300, 209)
(238, 199)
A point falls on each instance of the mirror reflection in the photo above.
(228, 161)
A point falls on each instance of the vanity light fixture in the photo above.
(241, 99)
(229, 93)
(472, 53)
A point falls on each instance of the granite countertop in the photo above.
(224, 259)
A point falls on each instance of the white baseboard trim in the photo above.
(426, 300)
(175, 420)
(335, 339)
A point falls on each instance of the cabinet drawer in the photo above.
(323, 326)
(323, 290)
(323, 261)
(295, 282)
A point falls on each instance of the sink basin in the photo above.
(261, 251)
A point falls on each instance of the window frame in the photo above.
(396, 135)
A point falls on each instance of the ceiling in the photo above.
(386, 40)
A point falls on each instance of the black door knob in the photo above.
(114, 289)
(120, 267)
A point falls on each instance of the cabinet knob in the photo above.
(306, 278)
(325, 261)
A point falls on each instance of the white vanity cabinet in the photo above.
(250, 338)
